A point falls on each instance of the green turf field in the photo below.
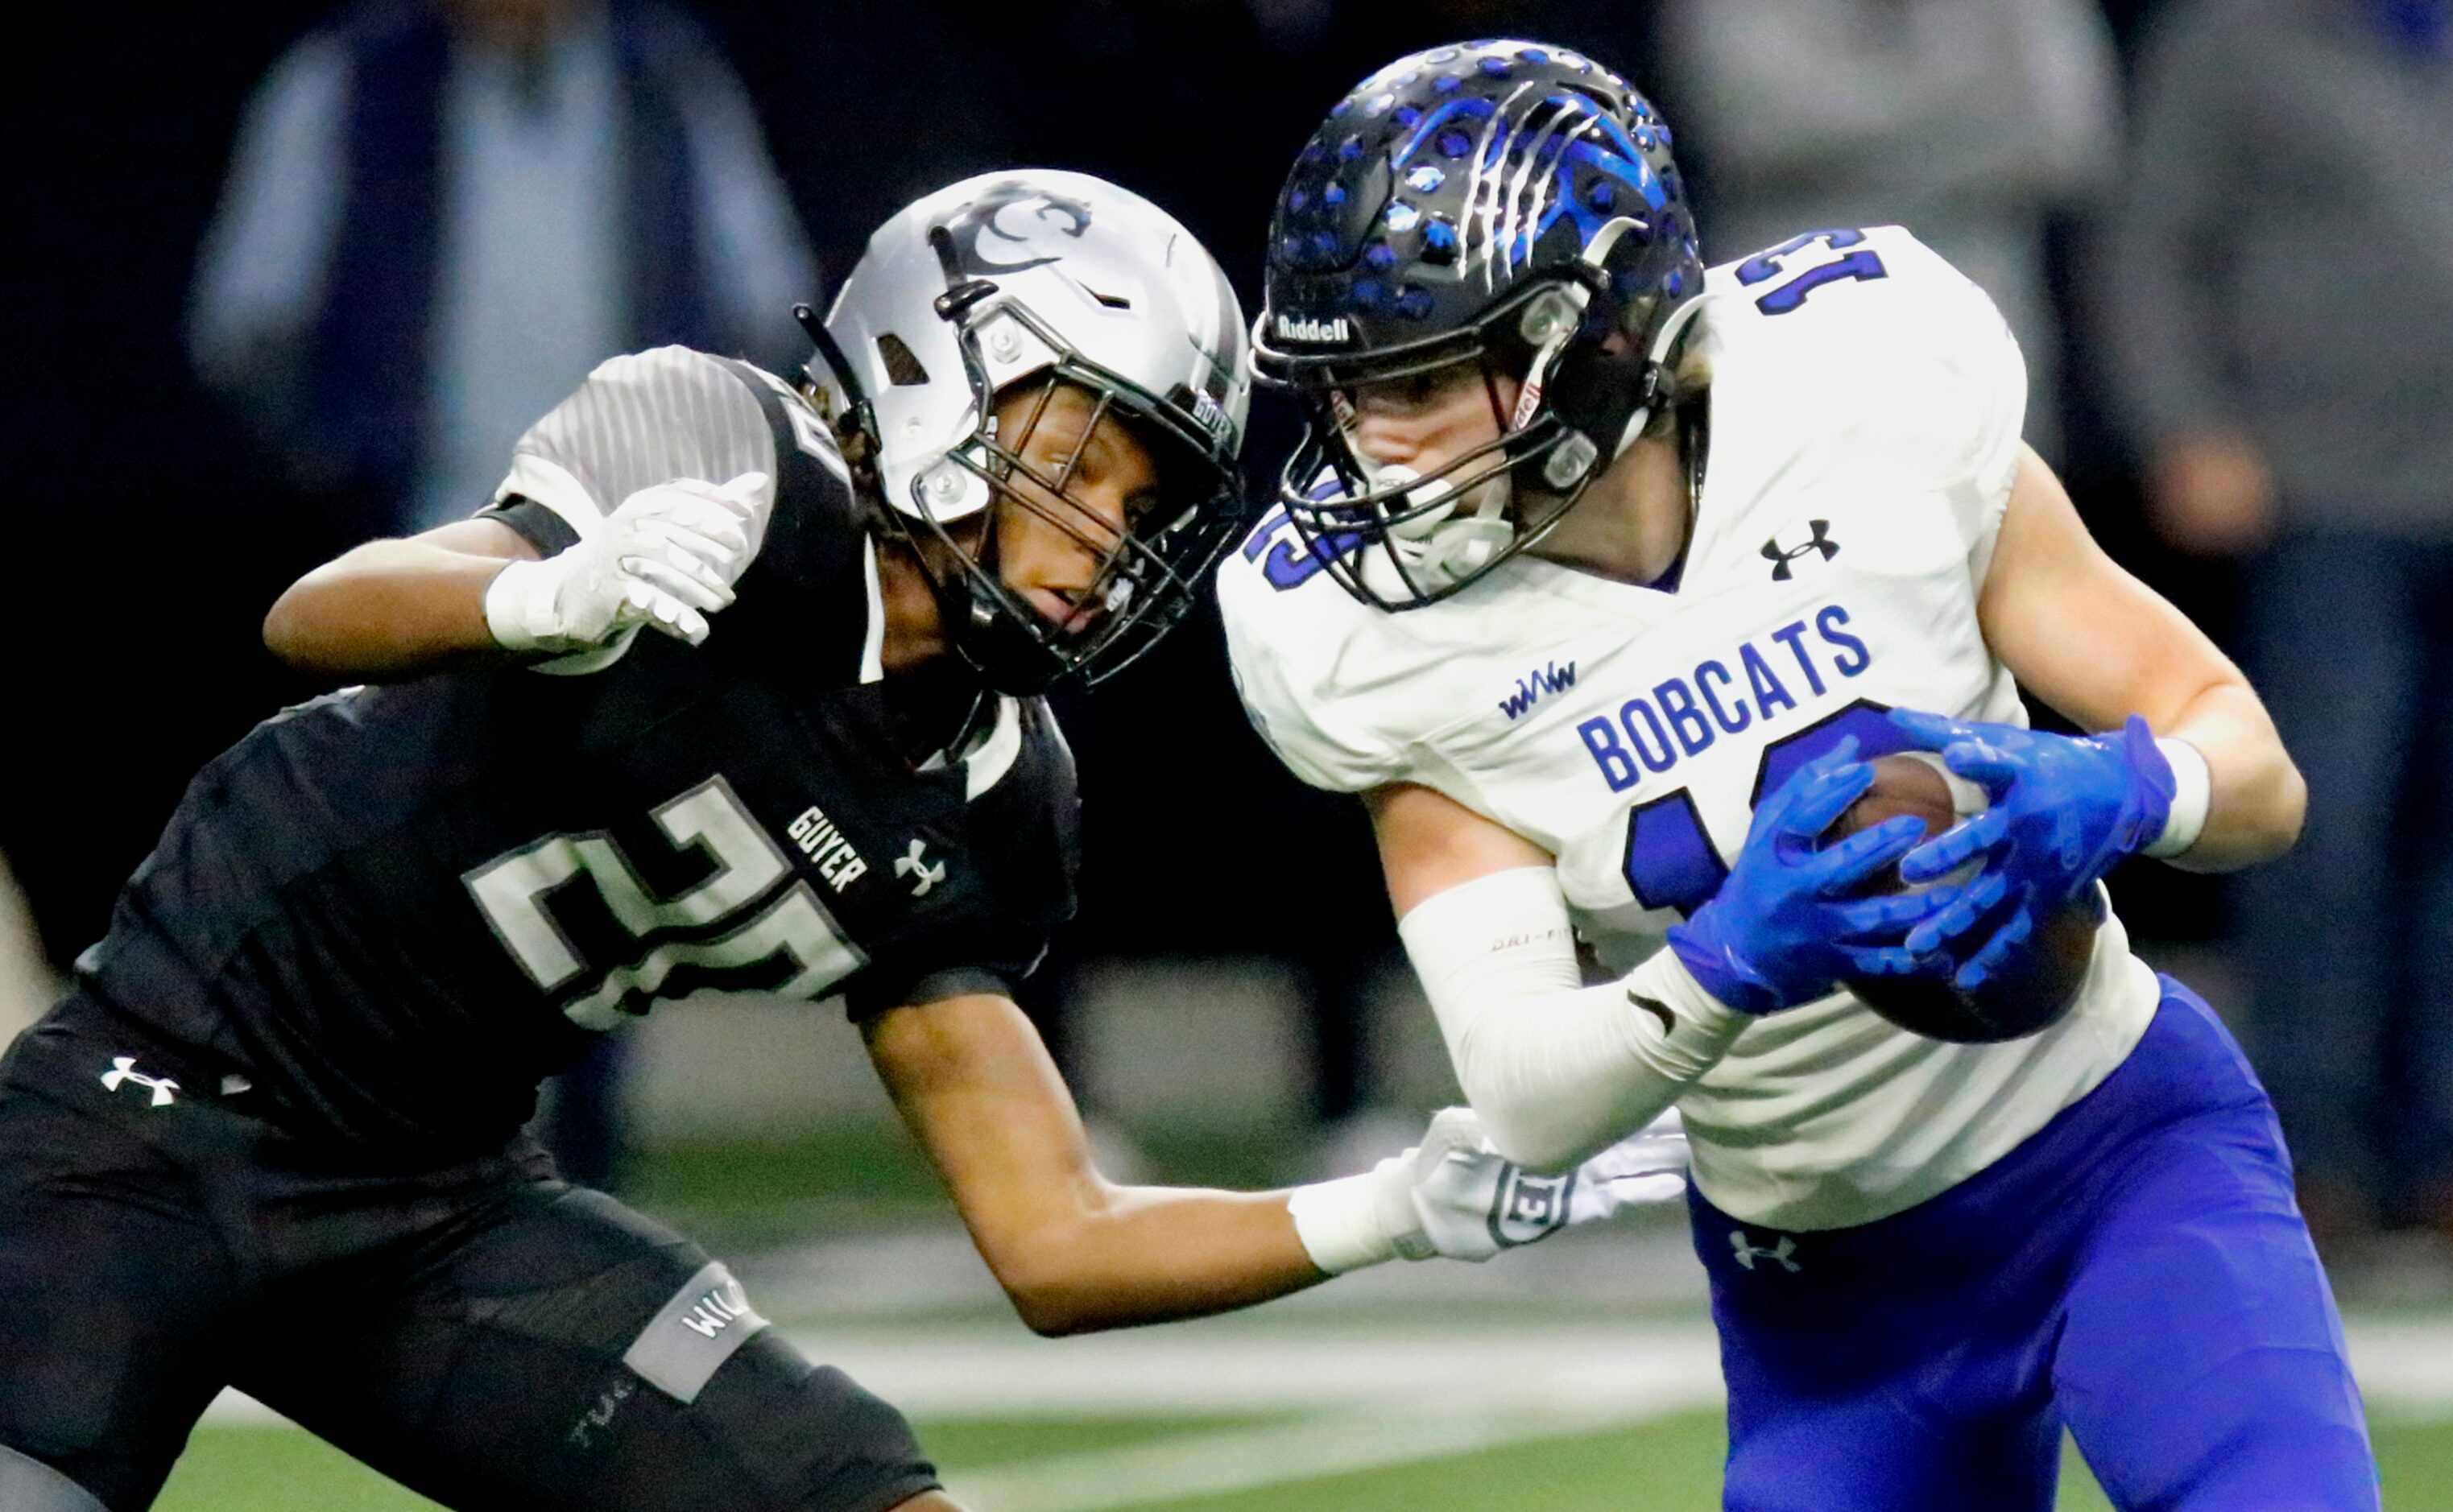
(1279, 1457)
(1672, 1465)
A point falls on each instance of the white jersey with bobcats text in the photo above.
(1864, 406)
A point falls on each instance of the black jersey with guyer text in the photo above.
(390, 911)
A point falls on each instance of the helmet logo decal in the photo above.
(1206, 411)
(1524, 180)
(1014, 226)
(1311, 327)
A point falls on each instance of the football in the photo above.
(2038, 985)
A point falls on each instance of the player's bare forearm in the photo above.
(2097, 645)
(1120, 1256)
(1075, 1252)
(393, 609)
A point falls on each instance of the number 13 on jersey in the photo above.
(1774, 262)
(1670, 860)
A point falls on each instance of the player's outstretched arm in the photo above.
(667, 557)
(1076, 1253)
(2099, 645)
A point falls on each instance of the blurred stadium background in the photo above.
(1230, 1003)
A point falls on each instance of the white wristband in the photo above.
(2193, 791)
(1340, 1224)
(519, 605)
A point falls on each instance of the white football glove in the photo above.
(667, 557)
(1454, 1196)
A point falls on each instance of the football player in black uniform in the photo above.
(270, 1137)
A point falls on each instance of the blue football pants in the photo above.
(2135, 1271)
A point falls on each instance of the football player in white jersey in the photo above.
(1600, 576)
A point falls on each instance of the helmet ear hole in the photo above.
(1635, 317)
(903, 369)
(1594, 389)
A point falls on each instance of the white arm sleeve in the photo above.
(1555, 1070)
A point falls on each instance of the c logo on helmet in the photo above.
(1013, 227)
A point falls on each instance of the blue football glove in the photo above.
(2064, 809)
(1784, 926)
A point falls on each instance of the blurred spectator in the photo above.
(1969, 122)
(444, 212)
(2281, 303)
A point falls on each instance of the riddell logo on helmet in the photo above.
(1311, 327)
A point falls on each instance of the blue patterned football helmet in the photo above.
(1502, 203)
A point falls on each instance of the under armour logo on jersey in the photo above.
(123, 1070)
(1780, 1253)
(913, 863)
(1820, 541)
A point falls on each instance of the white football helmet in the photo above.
(1021, 275)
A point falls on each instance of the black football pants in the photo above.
(484, 1333)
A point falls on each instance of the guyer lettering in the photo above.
(819, 840)
(1764, 676)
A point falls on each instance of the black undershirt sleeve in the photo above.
(866, 1000)
(534, 522)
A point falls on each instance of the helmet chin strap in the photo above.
(1673, 330)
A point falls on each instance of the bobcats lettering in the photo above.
(1682, 716)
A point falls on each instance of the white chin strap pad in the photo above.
(1461, 548)
(1438, 547)
(26, 1485)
